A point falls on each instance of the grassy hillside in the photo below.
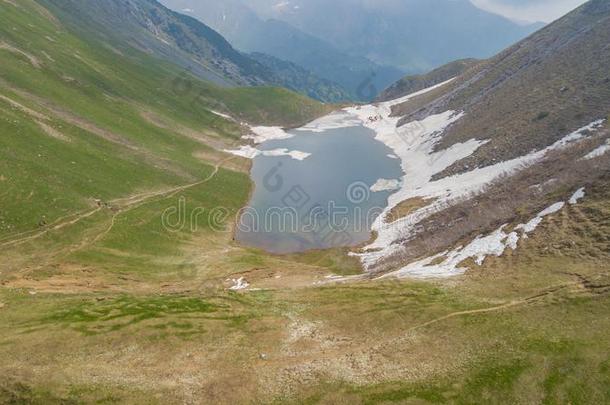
(82, 120)
(97, 143)
(529, 328)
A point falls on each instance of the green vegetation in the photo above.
(102, 303)
(94, 101)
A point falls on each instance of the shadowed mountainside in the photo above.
(412, 84)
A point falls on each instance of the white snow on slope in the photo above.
(420, 165)
(335, 120)
(250, 152)
(577, 196)
(239, 284)
(264, 134)
(385, 185)
(447, 264)
(225, 116)
(533, 224)
(600, 151)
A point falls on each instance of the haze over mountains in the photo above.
(248, 32)
(529, 10)
(345, 40)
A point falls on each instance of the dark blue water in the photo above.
(321, 202)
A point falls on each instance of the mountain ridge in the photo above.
(413, 35)
(183, 40)
(534, 113)
(279, 39)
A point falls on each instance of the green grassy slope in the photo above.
(94, 100)
(528, 328)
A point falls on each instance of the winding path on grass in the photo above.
(123, 204)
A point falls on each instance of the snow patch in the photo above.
(250, 152)
(493, 244)
(533, 224)
(336, 120)
(225, 116)
(447, 264)
(420, 164)
(577, 196)
(264, 134)
(385, 185)
(239, 284)
(600, 151)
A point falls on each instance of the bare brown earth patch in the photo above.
(407, 207)
(24, 109)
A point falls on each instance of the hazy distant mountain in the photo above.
(299, 79)
(414, 35)
(234, 19)
(529, 10)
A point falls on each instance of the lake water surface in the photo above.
(320, 202)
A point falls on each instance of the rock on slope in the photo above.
(155, 29)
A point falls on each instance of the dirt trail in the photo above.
(122, 205)
(137, 201)
(512, 304)
(31, 58)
